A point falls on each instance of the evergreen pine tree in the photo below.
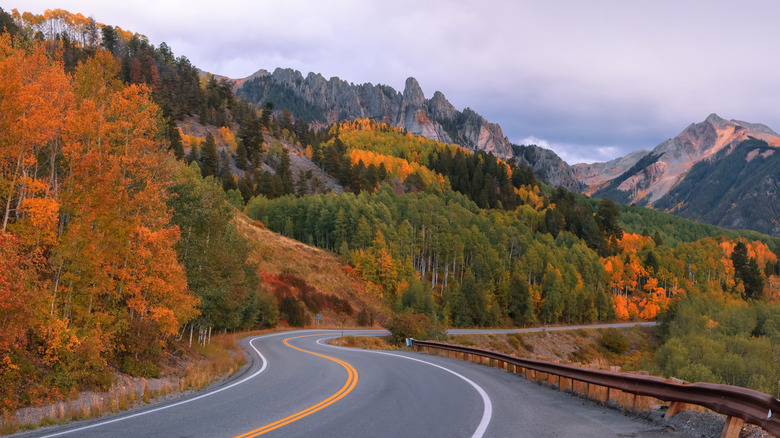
(225, 173)
(241, 157)
(193, 156)
(209, 159)
(175, 141)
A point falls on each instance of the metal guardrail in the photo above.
(752, 406)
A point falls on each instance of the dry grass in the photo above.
(222, 357)
(364, 342)
(581, 347)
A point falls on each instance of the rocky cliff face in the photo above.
(592, 176)
(549, 167)
(653, 175)
(322, 101)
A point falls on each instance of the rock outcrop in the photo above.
(593, 175)
(324, 102)
(549, 167)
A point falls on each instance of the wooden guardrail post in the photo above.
(732, 428)
(674, 409)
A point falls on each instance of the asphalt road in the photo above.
(295, 385)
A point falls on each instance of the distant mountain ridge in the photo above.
(668, 163)
(736, 189)
(318, 100)
(326, 101)
(657, 178)
(594, 174)
(723, 172)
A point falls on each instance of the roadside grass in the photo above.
(364, 342)
(629, 348)
(198, 368)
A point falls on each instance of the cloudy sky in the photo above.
(592, 80)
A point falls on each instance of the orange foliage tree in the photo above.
(35, 94)
(120, 269)
(88, 272)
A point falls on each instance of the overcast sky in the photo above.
(592, 80)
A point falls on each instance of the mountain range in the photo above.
(322, 102)
(666, 178)
(318, 100)
(723, 172)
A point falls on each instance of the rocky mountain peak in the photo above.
(287, 75)
(440, 107)
(657, 173)
(413, 94)
(548, 167)
(714, 119)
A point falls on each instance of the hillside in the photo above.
(735, 189)
(522, 257)
(280, 259)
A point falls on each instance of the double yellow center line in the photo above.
(352, 379)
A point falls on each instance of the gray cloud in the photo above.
(592, 80)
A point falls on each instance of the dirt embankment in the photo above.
(629, 348)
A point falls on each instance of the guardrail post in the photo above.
(674, 409)
(732, 428)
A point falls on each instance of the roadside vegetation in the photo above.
(183, 371)
(718, 340)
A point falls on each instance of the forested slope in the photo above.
(480, 236)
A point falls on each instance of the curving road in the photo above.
(296, 385)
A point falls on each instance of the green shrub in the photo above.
(614, 341)
(365, 318)
(292, 311)
(139, 368)
(417, 326)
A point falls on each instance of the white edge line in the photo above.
(162, 408)
(487, 413)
